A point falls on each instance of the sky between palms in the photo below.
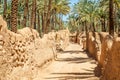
(72, 2)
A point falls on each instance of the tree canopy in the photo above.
(47, 15)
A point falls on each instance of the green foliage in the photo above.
(58, 8)
(92, 13)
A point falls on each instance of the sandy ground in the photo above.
(71, 64)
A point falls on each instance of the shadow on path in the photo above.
(73, 51)
(74, 60)
(65, 76)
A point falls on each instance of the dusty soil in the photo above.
(71, 64)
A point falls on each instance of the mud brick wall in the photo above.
(111, 69)
(93, 44)
(23, 52)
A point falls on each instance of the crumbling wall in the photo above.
(111, 69)
(62, 39)
(15, 56)
(72, 37)
(104, 49)
(93, 44)
(81, 39)
(101, 56)
(22, 53)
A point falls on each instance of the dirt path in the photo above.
(72, 64)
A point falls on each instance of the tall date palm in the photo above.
(14, 11)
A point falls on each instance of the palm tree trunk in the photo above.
(5, 9)
(9, 21)
(115, 15)
(49, 14)
(118, 31)
(86, 28)
(52, 21)
(111, 18)
(45, 17)
(103, 24)
(59, 21)
(42, 16)
(14, 11)
(33, 14)
(18, 21)
(29, 16)
(55, 19)
(25, 13)
(93, 25)
(38, 21)
(86, 32)
(0, 2)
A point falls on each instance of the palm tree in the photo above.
(59, 7)
(103, 14)
(33, 15)
(44, 17)
(14, 10)
(49, 14)
(5, 9)
(111, 18)
(38, 18)
(40, 11)
(25, 13)
(116, 15)
(87, 13)
(73, 23)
